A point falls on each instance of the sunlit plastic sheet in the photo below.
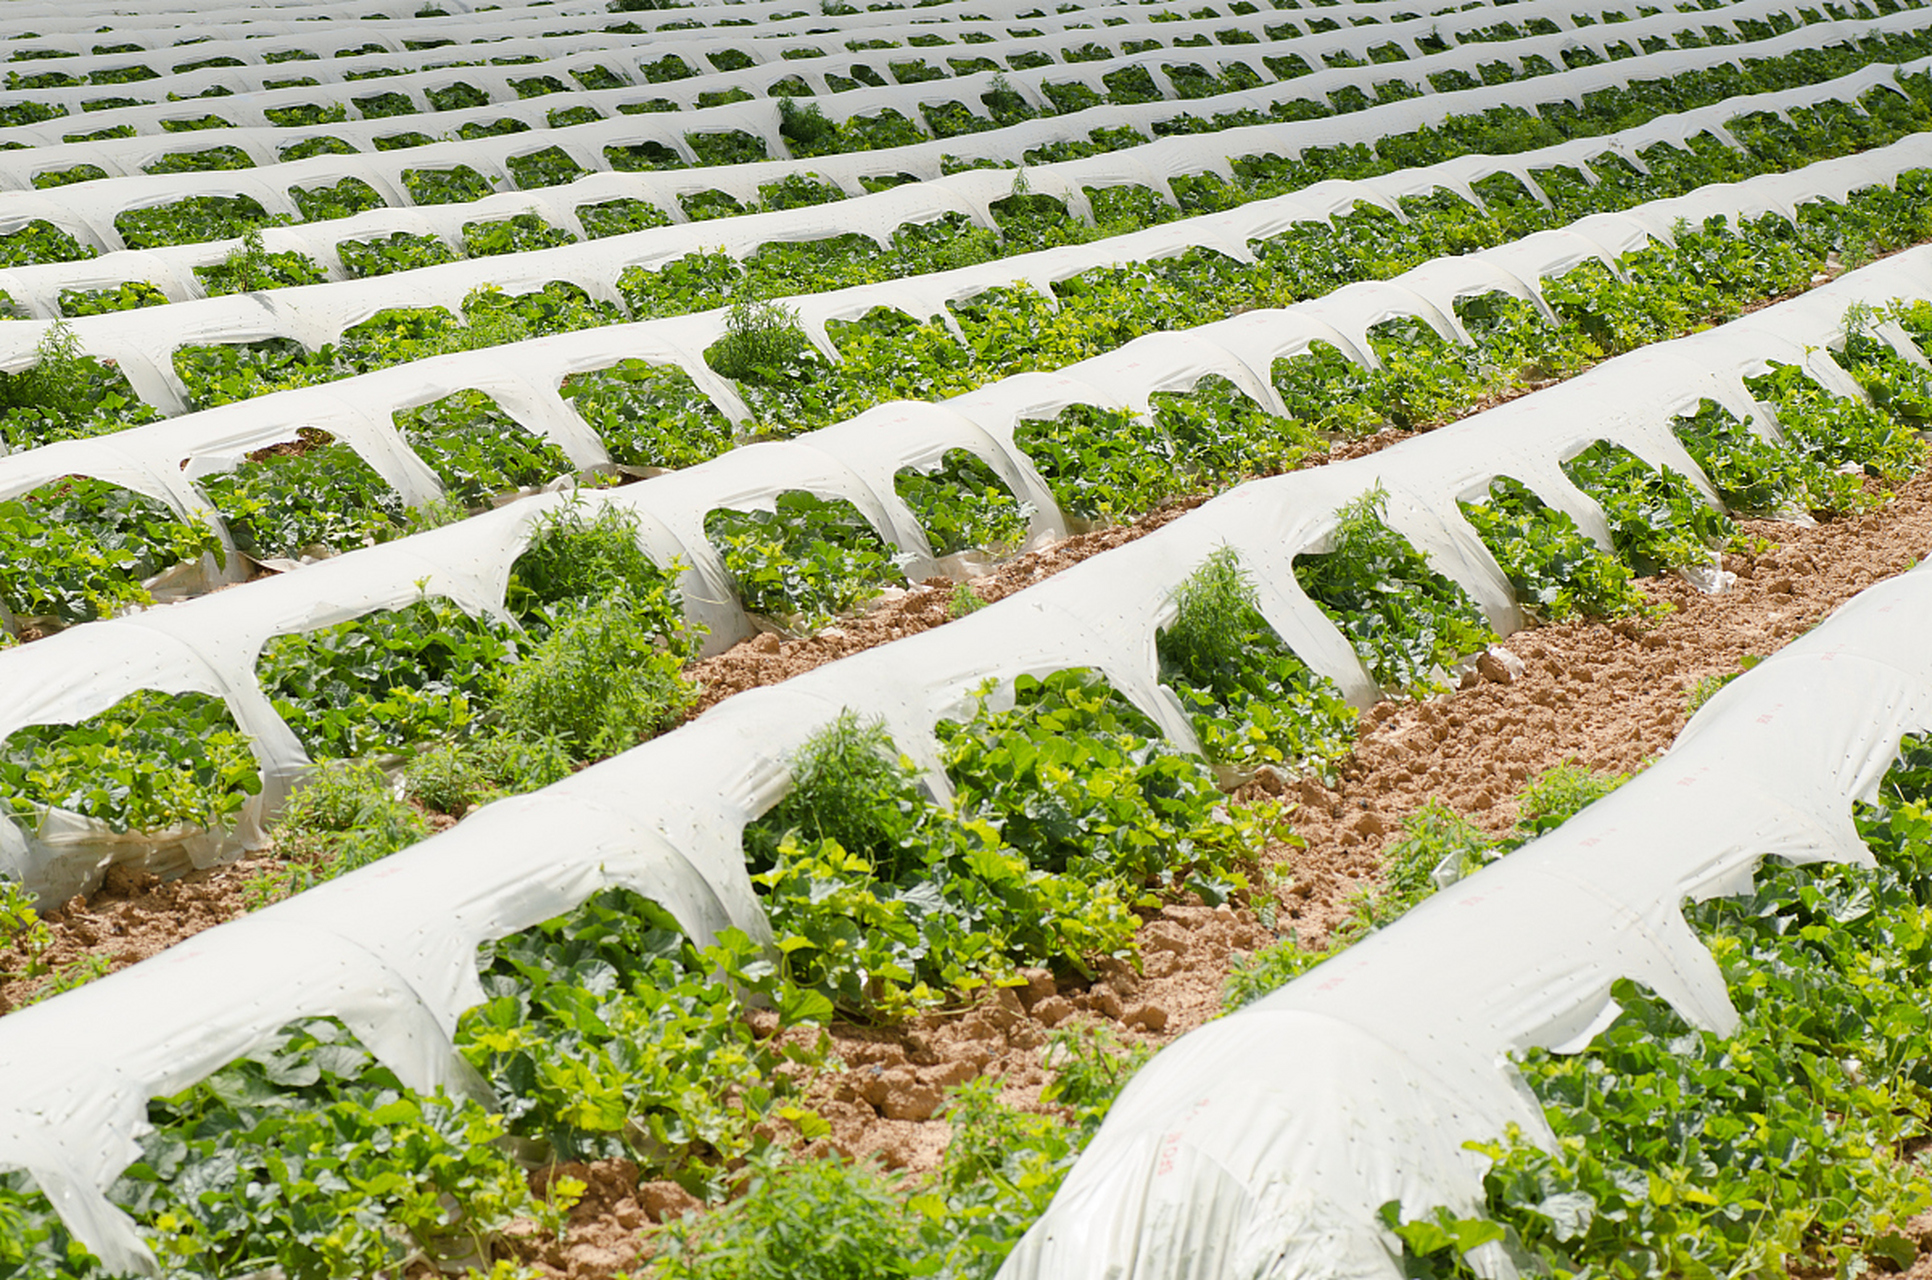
(87, 210)
(595, 265)
(1260, 1145)
(314, 25)
(164, 460)
(342, 79)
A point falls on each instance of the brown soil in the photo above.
(1608, 696)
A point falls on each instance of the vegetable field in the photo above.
(633, 634)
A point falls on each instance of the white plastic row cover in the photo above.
(1263, 1144)
(88, 209)
(40, 25)
(77, 673)
(562, 54)
(319, 313)
(165, 460)
(876, 215)
(764, 45)
(1399, 1041)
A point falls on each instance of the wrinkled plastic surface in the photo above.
(87, 210)
(210, 645)
(1259, 1146)
(1263, 1144)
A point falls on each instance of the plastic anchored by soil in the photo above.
(1606, 696)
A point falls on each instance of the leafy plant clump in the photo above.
(65, 395)
(1779, 1148)
(805, 561)
(252, 267)
(314, 497)
(150, 762)
(1555, 571)
(477, 450)
(306, 1156)
(648, 415)
(1251, 701)
(80, 549)
(1658, 519)
(963, 505)
(1407, 621)
(885, 902)
(611, 1036)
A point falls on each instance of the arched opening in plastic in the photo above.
(502, 126)
(969, 515)
(218, 1165)
(799, 191)
(456, 185)
(549, 167)
(1554, 569)
(1253, 703)
(154, 763)
(1659, 520)
(518, 233)
(1423, 379)
(79, 548)
(191, 221)
(67, 395)
(1062, 791)
(1129, 204)
(397, 251)
(50, 178)
(343, 199)
(1220, 435)
(620, 217)
(388, 683)
(1408, 623)
(650, 417)
(641, 157)
(306, 498)
(1101, 465)
(805, 561)
(326, 144)
(206, 160)
(727, 146)
(130, 295)
(702, 206)
(215, 374)
(607, 1034)
(482, 455)
(954, 119)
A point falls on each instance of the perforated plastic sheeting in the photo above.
(87, 210)
(856, 461)
(314, 26)
(342, 79)
(1263, 1144)
(163, 460)
(1399, 1042)
(319, 313)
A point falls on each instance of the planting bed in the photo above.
(538, 737)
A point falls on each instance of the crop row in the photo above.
(812, 554)
(321, 496)
(718, 61)
(678, 71)
(597, 1031)
(371, 243)
(867, 152)
(346, 42)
